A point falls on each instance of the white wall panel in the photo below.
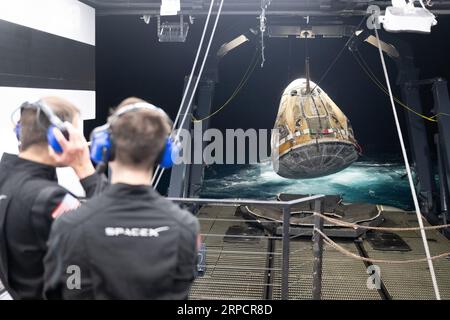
(66, 18)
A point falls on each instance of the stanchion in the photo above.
(285, 266)
(317, 252)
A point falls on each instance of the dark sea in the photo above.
(368, 180)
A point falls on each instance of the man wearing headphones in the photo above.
(129, 242)
(30, 197)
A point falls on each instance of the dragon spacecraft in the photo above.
(313, 137)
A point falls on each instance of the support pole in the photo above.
(285, 262)
(442, 106)
(417, 133)
(205, 100)
(179, 173)
(317, 252)
(443, 188)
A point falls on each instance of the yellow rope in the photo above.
(374, 79)
(241, 84)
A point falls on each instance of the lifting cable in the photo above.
(408, 170)
(368, 71)
(248, 73)
(157, 176)
(191, 76)
(333, 63)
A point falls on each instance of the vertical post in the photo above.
(417, 131)
(442, 105)
(179, 172)
(285, 265)
(317, 252)
(443, 188)
(205, 100)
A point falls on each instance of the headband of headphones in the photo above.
(55, 122)
(102, 140)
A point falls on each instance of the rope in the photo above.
(177, 136)
(348, 253)
(332, 64)
(357, 226)
(241, 84)
(408, 170)
(191, 76)
(365, 67)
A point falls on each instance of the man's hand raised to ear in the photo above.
(75, 152)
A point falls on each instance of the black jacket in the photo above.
(127, 243)
(30, 199)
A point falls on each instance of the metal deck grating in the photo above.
(343, 278)
(237, 270)
(413, 281)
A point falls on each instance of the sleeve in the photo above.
(66, 268)
(94, 184)
(50, 203)
(53, 268)
(188, 248)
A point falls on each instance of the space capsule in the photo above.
(314, 138)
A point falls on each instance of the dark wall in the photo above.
(35, 59)
(130, 61)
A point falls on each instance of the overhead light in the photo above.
(170, 7)
(404, 16)
(172, 31)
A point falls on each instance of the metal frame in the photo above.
(442, 105)
(344, 8)
(286, 206)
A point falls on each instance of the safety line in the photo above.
(365, 67)
(358, 226)
(248, 73)
(177, 136)
(191, 76)
(338, 56)
(408, 170)
(346, 252)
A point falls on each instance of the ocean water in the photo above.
(367, 180)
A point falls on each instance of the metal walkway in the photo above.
(248, 265)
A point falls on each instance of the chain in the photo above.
(262, 27)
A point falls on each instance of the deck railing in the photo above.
(286, 207)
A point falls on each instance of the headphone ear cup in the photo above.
(112, 148)
(52, 141)
(169, 154)
(101, 145)
(17, 131)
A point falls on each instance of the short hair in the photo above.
(139, 136)
(34, 123)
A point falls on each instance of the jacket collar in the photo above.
(124, 190)
(36, 169)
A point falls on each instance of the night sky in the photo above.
(131, 62)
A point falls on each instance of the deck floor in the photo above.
(238, 269)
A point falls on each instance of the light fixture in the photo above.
(404, 16)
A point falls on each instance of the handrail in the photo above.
(286, 206)
(281, 204)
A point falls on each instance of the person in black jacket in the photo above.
(129, 242)
(30, 197)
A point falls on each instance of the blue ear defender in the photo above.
(169, 154)
(102, 144)
(52, 141)
(55, 122)
(17, 131)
